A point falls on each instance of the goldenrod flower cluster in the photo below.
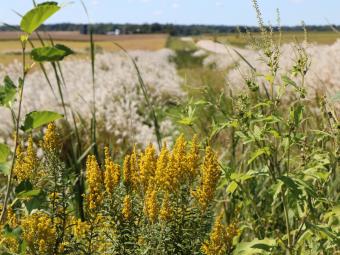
(94, 177)
(50, 142)
(127, 207)
(39, 233)
(112, 173)
(210, 176)
(221, 238)
(26, 163)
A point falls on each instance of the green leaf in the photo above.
(4, 152)
(51, 53)
(255, 247)
(288, 81)
(291, 185)
(29, 194)
(7, 92)
(296, 114)
(5, 168)
(37, 119)
(231, 187)
(37, 16)
(258, 153)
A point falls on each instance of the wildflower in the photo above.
(221, 238)
(80, 228)
(175, 171)
(127, 207)
(95, 183)
(134, 169)
(27, 163)
(165, 212)
(127, 171)
(193, 159)
(210, 176)
(112, 173)
(150, 204)
(51, 138)
(161, 168)
(147, 166)
(39, 233)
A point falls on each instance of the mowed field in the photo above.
(10, 47)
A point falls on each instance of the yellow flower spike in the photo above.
(193, 158)
(134, 169)
(161, 166)
(50, 142)
(211, 173)
(127, 175)
(39, 233)
(127, 207)
(27, 163)
(150, 203)
(95, 183)
(166, 210)
(221, 238)
(112, 173)
(147, 166)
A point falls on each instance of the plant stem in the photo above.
(16, 139)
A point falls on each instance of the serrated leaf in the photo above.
(37, 119)
(51, 53)
(4, 152)
(37, 16)
(7, 92)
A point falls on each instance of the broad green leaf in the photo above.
(11, 232)
(7, 92)
(4, 152)
(23, 186)
(37, 119)
(50, 53)
(255, 247)
(37, 16)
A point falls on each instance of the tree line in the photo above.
(172, 29)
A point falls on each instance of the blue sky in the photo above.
(227, 12)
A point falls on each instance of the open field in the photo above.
(242, 40)
(10, 45)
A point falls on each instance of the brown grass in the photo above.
(10, 46)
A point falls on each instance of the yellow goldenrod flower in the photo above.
(147, 166)
(162, 177)
(95, 183)
(165, 212)
(51, 138)
(112, 173)
(193, 159)
(39, 233)
(210, 176)
(127, 207)
(134, 169)
(127, 175)
(26, 164)
(150, 204)
(221, 238)
(80, 228)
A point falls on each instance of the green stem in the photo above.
(16, 139)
